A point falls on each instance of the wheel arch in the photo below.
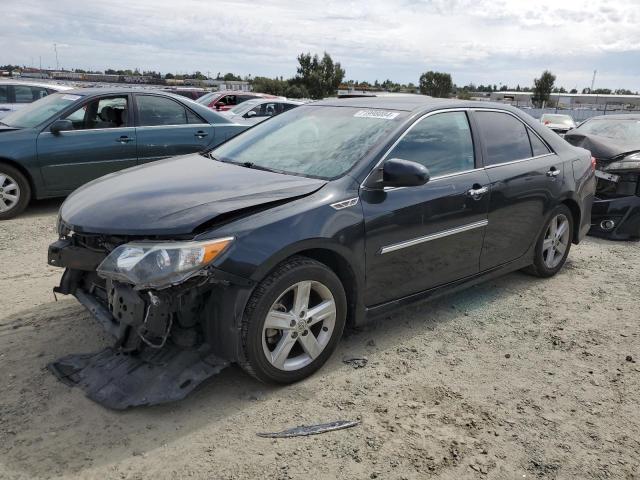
(23, 171)
(573, 206)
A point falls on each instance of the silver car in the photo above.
(15, 95)
(259, 109)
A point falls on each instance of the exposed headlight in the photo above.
(630, 162)
(160, 264)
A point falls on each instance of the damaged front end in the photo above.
(616, 209)
(160, 300)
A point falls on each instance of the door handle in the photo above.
(201, 134)
(125, 139)
(477, 192)
(553, 172)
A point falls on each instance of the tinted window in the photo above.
(441, 142)
(504, 136)
(537, 145)
(4, 94)
(193, 118)
(26, 94)
(100, 113)
(288, 106)
(160, 111)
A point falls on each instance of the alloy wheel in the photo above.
(9, 192)
(299, 325)
(556, 240)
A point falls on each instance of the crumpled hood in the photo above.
(602, 148)
(175, 196)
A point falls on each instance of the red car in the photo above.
(226, 100)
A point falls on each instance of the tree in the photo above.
(320, 78)
(436, 84)
(573, 90)
(542, 88)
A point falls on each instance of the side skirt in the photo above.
(441, 290)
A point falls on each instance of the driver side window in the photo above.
(441, 142)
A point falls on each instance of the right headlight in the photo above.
(160, 264)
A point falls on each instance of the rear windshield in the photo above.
(316, 141)
(559, 120)
(612, 128)
(37, 112)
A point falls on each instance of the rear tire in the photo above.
(15, 192)
(293, 321)
(554, 243)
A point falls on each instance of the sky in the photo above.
(480, 41)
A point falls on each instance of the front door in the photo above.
(102, 141)
(421, 237)
(526, 179)
(166, 128)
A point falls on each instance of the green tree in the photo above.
(542, 88)
(321, 78)
(436, 84)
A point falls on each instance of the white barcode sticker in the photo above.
(382, 114)
(73, 98)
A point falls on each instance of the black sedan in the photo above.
(260, 251)
(614, 141)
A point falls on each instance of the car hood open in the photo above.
(176, 196)
(603, 148)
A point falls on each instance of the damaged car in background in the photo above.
(260, 251)
(614, 141)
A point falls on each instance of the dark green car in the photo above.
(65, 140)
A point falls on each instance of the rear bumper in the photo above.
(616, 218)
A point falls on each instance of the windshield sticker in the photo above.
(382, 114)
(73, 98)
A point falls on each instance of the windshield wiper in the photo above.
(256, 167)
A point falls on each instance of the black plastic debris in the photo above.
(306, 430)
(119, 380)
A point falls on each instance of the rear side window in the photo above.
(537, 145)
(193, 118)
(155, 111)
(4, 94)
(504, 137)
(440, 142)
(27, 94)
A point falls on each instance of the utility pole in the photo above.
(593, 80)
(55, 49)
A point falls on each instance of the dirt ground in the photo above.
(516, 378)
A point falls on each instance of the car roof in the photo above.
(37, 84)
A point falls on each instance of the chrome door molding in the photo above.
(433, 236)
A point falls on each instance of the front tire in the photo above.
(293, 321)
(554, 243)
(15, 192)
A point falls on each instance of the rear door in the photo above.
(165, 128)
(526, 180)
(103, 141)
(421, 237)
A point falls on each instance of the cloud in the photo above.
(480, 40)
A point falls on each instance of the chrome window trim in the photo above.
(65, 132)
(519, 161)
(177, 125)
(434, 236)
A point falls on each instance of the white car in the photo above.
(15, 94)
(560, 124)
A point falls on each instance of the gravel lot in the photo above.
(516, 378)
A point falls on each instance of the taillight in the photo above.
(593, 163)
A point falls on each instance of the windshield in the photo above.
(559, 120)
(314, 141)
(244, 107)
(612, 128)
(206, 98)
(37, 112)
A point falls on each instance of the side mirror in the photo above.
(250, 114)
(403, 173)
(60, 126)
